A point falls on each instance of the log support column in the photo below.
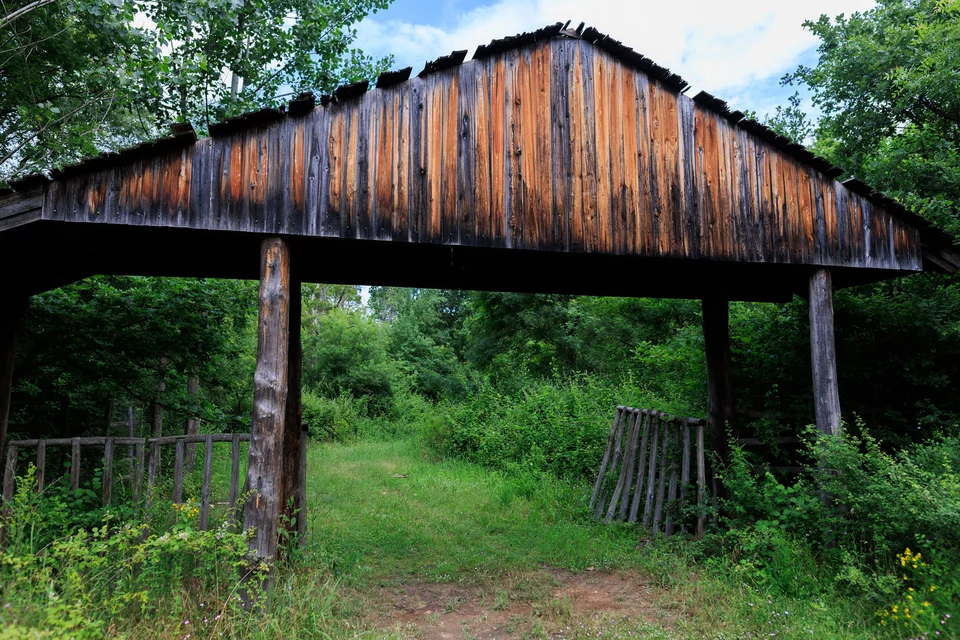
(270, 390)
(823, 353)
(292, 505)
(720, 395)
(9, 321)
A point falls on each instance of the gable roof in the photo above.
(940, 249)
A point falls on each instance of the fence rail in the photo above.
(139, 446)
(640, 467)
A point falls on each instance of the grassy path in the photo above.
(403, 547)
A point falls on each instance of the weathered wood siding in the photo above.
(555, 146)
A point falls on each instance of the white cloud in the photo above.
(722, 47)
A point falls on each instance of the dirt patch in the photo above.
(546, 601)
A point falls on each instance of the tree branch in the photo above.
(22, 11)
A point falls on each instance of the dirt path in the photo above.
(549, 603)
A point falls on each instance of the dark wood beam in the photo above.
(721, 409)
(264, 471)
(823, 353)
(291, 497)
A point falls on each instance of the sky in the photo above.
(737, 50)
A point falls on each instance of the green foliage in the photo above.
(89, 75)
(558, 426)
(83, 583)
(110, 338)
(345, 353)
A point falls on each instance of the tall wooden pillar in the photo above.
(292, 498)
(9, 321)
(720, 394)
(264, 471)
(823, 353)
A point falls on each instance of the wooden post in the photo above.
(302, 487)
(234, 480)
(701, 485)
(672, 489)
(641, 465)
(41, 464)
(138, 472)
(205, 491)
(662, 479)
(606, 457)
(158, 419)
(9, 321)
(178, 473)
(151, 476)
(290, 498)
(75, 464)
(823, 353)
(720, 395)
(193, 422)
(10, 475)
(652, 471)
(264, 467)
(107, 472)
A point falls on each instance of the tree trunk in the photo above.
(264, 469)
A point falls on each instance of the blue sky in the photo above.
(737, 50)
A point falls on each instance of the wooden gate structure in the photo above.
(553, 161)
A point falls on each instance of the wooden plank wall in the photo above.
(555, 146)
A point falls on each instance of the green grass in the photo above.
(386, 522)
(503, 536)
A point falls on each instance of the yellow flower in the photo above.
(932, 587)
(926, 604)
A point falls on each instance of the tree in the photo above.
(82, 76)
(886, 82)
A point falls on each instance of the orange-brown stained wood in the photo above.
(555, 146)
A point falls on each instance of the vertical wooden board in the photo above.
(108, 472)
(514, 149)
(41, 465)
(602, 68)
(832, 246)
(664, 465)
(234, 479)
(138, 471)
(178, 472)
(419, 214)
(672, 218)
(708, 175)
(231, 167)
(788, 194)
(806, 211)
(480, 156)
(353, 171)
(878, 219)
(449, 195)
(212, 179)
(197, 212)
(332, 219)
(730, 228)
(499, 198)
(542, 74)
(646, 223)
(638, 490)
(671, 506)
(205, 487)
(632, 196)
(294, 208)
(434, 102)
(618, 186)
(819, 243)
(315, 148)
(607, 452)
(773, 212)
(660, 193)
(689, 161)
(591, 219)
(527, 152)
(631, 464)
(745, 199)
(577, 225)
(467, 121)
(363, 208)
(842, 210)
(75, 463)
(685, 463)
(858, 230)
(560, 141)
(385, 121)
(404, 172)
(651, 471)
(757, 175)
(701, 484)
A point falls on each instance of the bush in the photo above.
(559, 426)
(82, 584)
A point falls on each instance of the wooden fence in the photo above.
(633, 473)
(139, 445)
